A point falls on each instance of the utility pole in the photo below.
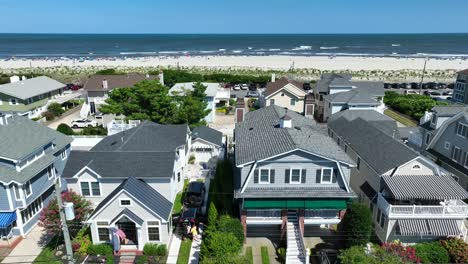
(66, 234)
(422, 76)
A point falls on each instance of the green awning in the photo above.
(295, 204)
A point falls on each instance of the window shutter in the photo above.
(335, 174)
(256, 176)
(272, 176)
(318, 176)
(304, 173)
(286, 175)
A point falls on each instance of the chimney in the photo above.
(273, 77)
(309, 106)
(14, 79)
(240, 110)
(161, 77)
(3, 119)
(105, 85)
(286, 121)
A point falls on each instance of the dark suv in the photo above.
(195, 194)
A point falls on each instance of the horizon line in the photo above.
(124, 33)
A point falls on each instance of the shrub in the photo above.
(56, 109)
(432, 252)
(457, 249)
(227, 224)
(65, 129)
(48, 115)
(413, 105)
(281, 252)
(107, 72)
(161, 250)
(220, 244)
(94, 131)
(212, 214)
(397, 249)
(82, 241)
(150, 249)
(357, 225)
(100, 249)
(191, 159)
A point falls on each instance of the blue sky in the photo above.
(233, 16)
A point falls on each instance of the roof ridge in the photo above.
(131, 135)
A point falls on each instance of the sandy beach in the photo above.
(274, 62)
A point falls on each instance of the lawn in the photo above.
(47, 254)
(249, 255)
(184, 251)
(179, 200)
(401, 118)
(265, 256)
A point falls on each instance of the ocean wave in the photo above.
(396, 45)
(222, 50)
(249, 48)
(208, 51)
(237, 51)
(287, 53)
(138, 53)
(274, 49)
(303, 48)
(168, 52)
(329, 48)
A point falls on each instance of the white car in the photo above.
(80, 123)
(244, 86)
(236, 87)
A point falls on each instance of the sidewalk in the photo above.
(195, 252)
(29, 248)
(174, 248)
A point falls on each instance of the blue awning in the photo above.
(7, 218)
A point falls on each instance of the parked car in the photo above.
(395, 85)
(252, 87)
(414, 85)
(80, 123)
(306, 86)
(435, 93)
(244, 86)
(427, 93)
(188, 215)
(252, 94)
(236, 87)
(387, 86)
(195, 194)
(410, 92)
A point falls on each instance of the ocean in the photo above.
(126, 45)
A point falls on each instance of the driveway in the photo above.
(29, 248)
(66, 118)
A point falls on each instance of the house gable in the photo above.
(290, 90)
(417, 166)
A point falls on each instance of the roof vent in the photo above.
(286, 121)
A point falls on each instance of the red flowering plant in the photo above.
(49, 217)
(407, 254)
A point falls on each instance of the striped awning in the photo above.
(412, 227)
(428, 227)
(7, 218)
(444, 227)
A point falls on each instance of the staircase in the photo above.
(295, 251)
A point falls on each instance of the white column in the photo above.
(141, 244)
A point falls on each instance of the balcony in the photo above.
(455, 209)
(264, 217)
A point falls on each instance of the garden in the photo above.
(412, 105)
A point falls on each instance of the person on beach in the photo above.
(194, 233)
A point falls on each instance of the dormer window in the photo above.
(434, 119)
(416, 167)
(13, 101)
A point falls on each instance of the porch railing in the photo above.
(264, 214)
(455, 208)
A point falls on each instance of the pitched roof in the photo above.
(145, 151)
(428, 187)
(449, 110)
(260, 137)
(31, 87)
(94, 83)
(376, 147)
(295, 192)
(328, 79)
(275, 86)
(181, 88)
(378, 120)
(143, 193)
(22, 137)
(209, 134)
(364, 93)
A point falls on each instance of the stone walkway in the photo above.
(29, 248)
(174, 247)
(195, 252)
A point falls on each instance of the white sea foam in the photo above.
(222, 50)
(303, 48)
(237, 51)
(329, 48)
(274, 49)
(396, 45)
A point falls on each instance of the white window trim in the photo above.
(447, 145)
(16, 190)
(63, 154)
(34, 215)
(464, 125)
(427, 140)
(125, 199)
(52, 175)
(260, 176)
(331, 176)
(466, 160)
(90, 189)
(454, 151)
(30, 189)
(19, 168)
(102, 226)
(159, 229)
(290, 176)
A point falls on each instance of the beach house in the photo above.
(411, 198)
(208, 145)
(216, 95)
(285, 93)
(132, 179)
(337, 92)
(32, 158)
(29, 97)
(460, 90)
(291, 179)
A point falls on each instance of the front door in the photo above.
(130, 230)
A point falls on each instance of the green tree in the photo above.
(65, 129)
(212, 214)
(56, 109)
(228, 224)
(356, 225)
(191, 107)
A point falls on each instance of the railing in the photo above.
(302, 244)
(325, 213)
(455, 208)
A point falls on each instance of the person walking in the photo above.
(194, 233)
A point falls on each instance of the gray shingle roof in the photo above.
(377, 148)
(427, 187)
(145, 151)
(22, 136)
(10, 174)
(449, 110)
(378, 120)
(332, 78)
(31, 87)
(364, 93)
(94, 83)
(260, 137)
(143, 193)
(295, 192)
(208, 134)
